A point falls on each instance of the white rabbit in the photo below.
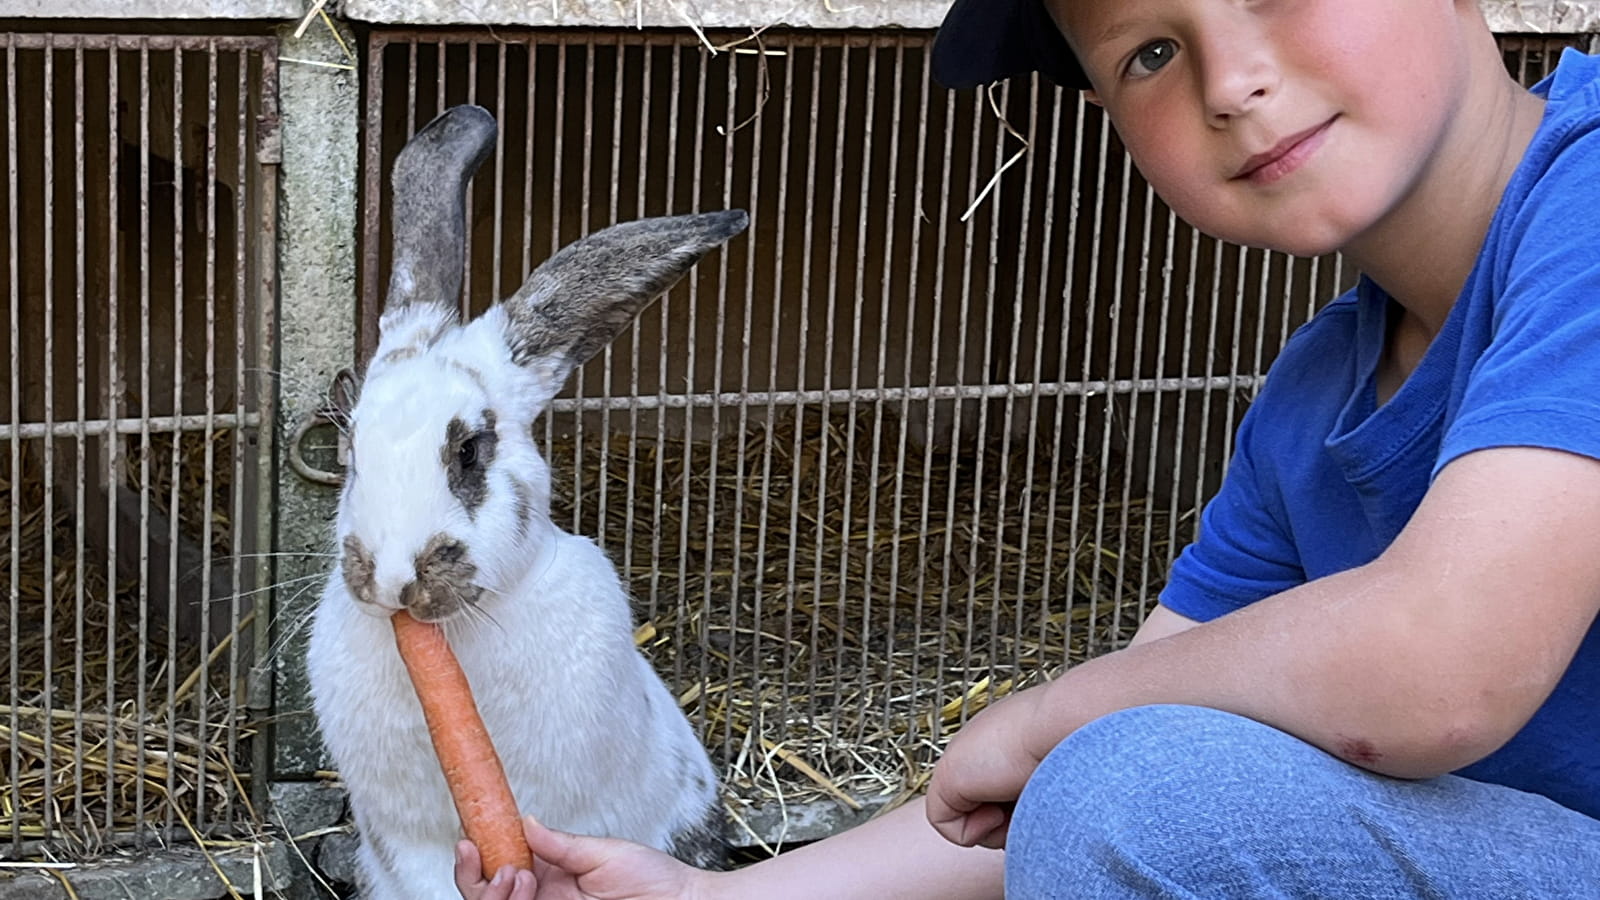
(445, 512)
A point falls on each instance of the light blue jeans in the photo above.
(1178, 801)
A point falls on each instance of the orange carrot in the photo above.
(471, 767)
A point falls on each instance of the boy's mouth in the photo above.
(1284, 157)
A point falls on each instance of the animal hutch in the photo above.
(931, 431)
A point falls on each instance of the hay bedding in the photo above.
(846, 678)
(98, 789)
(839, 670)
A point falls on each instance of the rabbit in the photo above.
(445, 513)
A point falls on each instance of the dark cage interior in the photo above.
(129, 482)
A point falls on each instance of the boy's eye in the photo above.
(1151, 57)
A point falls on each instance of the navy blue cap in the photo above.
(983, 41)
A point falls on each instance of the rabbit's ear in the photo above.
(589, 291)
(429, 220)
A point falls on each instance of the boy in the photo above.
(1400, 575)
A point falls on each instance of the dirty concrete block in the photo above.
(653, 13)
(336, 857)
(173, 874)
(306, 810)
(317, 195)
(303, 806)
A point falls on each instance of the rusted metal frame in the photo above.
(47, 187)
(267, 149)
(856, 38)
(15, 445)
(155, 42)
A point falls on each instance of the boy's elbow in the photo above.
(1454, 733)
(1432, 748)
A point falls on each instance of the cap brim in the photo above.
(984, 41)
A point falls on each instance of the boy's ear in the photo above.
(1093, 97)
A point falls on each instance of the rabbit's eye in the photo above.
(467, 455)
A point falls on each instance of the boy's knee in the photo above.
(1143, 799)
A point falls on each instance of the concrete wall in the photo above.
(1507, 16)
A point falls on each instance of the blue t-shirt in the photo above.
(1517, 363)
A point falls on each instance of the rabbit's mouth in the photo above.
(444, 583)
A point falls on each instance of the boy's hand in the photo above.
(572, 867)
(508, 883)
(977, 781)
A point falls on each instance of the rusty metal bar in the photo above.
(15, 445)
(919, 198)
(80, 470)
(158, 42)
(897, 70)
(47, 189)
(1051, 183)
(209, 455)
(142, 693)
(129, 426)
(113, 409)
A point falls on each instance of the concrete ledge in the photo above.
(152, 9)
(781, 826)
(181, 873)
(654, 13)
(774, 826)
(1542, 16)
(1504, 16)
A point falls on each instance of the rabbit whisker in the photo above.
(292, 629)
(196, 568)
(272, 587)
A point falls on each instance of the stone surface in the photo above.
(302, 806)
(798, 823)
(1542, 16)
(174, 874)
(1507, 16)
(153, 9)
(655, 13)
(336, 857)
(317, 195)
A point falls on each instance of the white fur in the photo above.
(592, 740)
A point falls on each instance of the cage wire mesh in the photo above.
(128, 506)
(878, 462)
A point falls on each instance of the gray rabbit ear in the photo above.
(589, 291)
(430, 209)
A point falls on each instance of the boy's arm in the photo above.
(1419, 663)
(1161, 622)
(897, 856)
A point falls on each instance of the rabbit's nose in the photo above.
(444, 581)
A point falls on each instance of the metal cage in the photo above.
(908, 445)
(139, 205)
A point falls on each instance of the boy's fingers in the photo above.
(508, 883)
(570, 852)
(947, 819)
(469, 871)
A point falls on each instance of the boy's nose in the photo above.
(1238, 70)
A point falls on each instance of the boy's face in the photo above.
(1291, 124)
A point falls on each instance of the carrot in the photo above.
(471, 767)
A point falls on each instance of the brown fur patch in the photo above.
(470, 483)
(444, 582)
(358, 569)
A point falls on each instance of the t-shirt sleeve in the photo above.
(1243, 551)
(1538, 382)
